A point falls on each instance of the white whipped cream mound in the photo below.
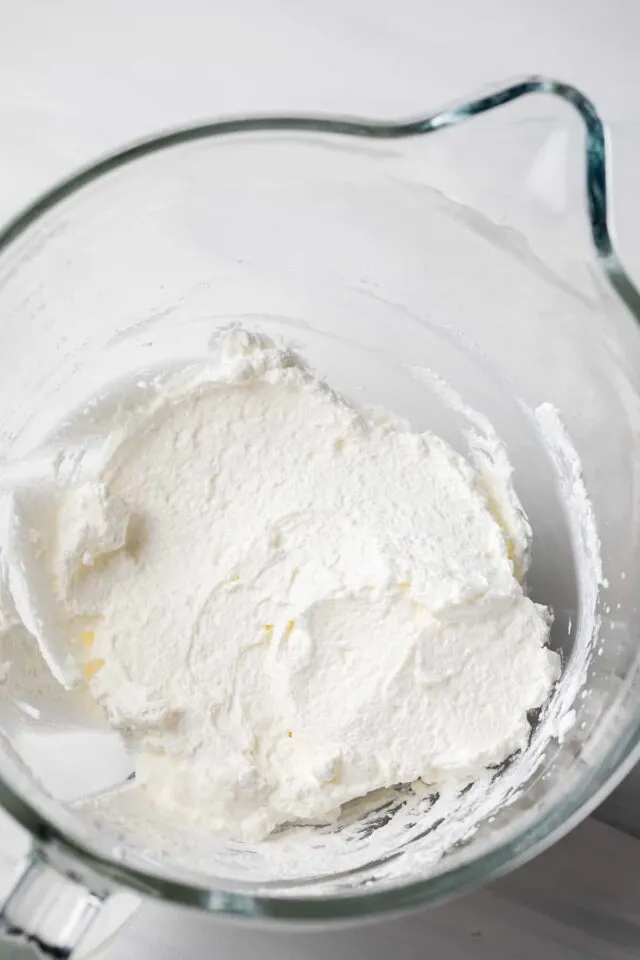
(283, 602)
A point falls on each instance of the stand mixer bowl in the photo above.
(482, 254)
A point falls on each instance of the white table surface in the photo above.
(79, 77)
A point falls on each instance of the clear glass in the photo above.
(483, 254)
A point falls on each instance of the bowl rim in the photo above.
(82, 861)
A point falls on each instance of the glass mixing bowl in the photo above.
(482, 254)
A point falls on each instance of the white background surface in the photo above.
(79, 77)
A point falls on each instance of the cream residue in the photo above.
(283, 602)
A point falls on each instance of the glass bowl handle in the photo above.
(46, 909)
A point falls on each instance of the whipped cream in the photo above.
(282, 601)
